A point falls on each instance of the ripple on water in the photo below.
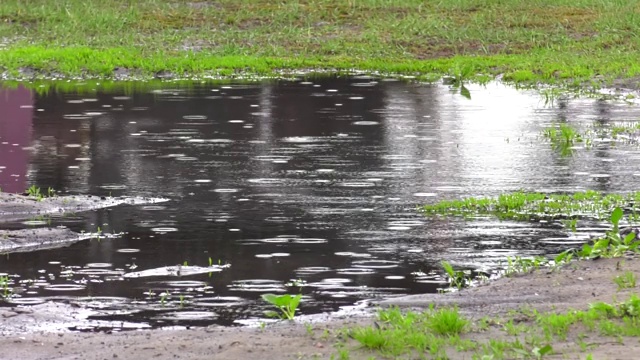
(99, 272)
(163, 230)
(153, 207)
(102, 302)
(225, 190)
(34, 222)
(65, 287)
(425, 194)
(360, 184)
(375, 264)
(25, 301)
(113, 187)
(308, 270)
(257, 285)
(365, 123)
(99, 265)
(564, 241)
(219, 301)
(352, 254)
(128, 250)
(355, 271)
(330, 283)
(195, 117)
(187, 315)
(185, 284)
(271, 158)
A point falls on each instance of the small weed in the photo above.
(34, 192)
(4, 285)
(457, 279)
(309, 328)
(286, 304)
(571, 224)
(518, 265)
(447, 321)
(625, 281)
(613, 244)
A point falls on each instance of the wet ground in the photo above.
(271, 182)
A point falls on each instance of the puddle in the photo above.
(311, 181)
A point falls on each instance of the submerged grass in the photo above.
(527, 41)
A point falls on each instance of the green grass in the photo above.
(399, 333)
(625, 281)
(528, 334)
(522, 205)
(528, 41)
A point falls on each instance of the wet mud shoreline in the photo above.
(15, 208)
(574, 286)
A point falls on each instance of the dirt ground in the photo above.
(573, 287)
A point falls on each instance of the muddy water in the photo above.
(311, 180)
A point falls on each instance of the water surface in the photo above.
(311, 180)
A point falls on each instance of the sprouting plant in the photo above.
(625, 281)
(185, 263)
(562, 137)
(536, 352)
(163, 297)
(287, 305)
(4, 284)
(563, 258)
(34, 192)
(309, 328)
(51, 192)
(210, 261)
(524, 265)
(458, 279)
(571, 224)
(181, 300)
(613, 244)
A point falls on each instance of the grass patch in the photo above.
(444, 333)
(531, 205)
(625, 281)
(546, 40)
(399, 333)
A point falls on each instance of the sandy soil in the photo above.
(573, 287)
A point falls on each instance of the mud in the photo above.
(573, 287)
(15, 208)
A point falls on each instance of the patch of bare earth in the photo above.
(573, 287)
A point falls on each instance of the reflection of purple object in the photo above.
(15, 134)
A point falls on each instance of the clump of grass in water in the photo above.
(530, 205)
(563, 138)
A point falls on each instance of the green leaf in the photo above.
(448, 268)
(272, 314)
(629, 238)
(616, 215)
(545, 350)
(270, 298)
(465, 92)
(295, 301)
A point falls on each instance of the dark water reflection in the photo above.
(317, 181)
